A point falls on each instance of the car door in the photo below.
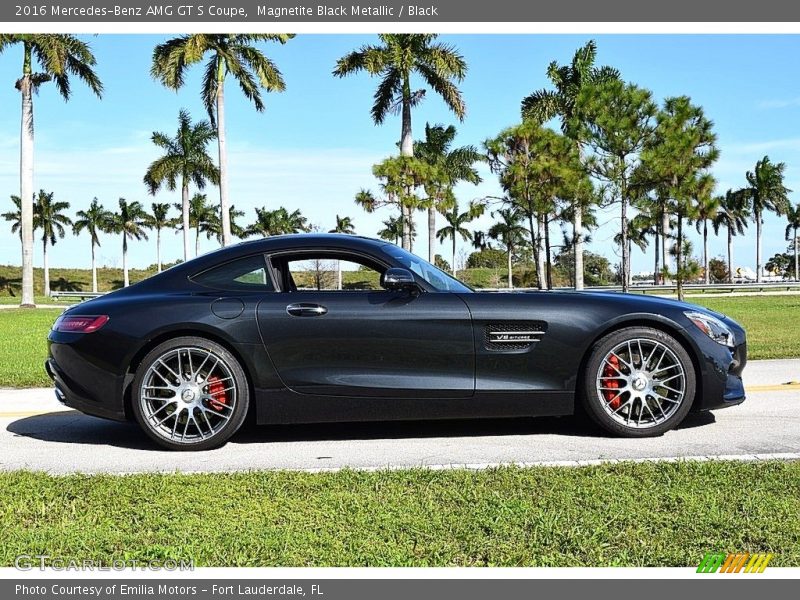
(368, 342)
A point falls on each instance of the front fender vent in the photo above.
(517, 335)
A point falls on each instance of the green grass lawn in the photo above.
(626, 514)
(23, 346)
(23, 334)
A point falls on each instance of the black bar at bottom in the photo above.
(728, 586)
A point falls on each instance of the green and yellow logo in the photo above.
(743, 562)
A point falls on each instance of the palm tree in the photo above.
(393, 230)
(185, 160)
(793, 216)
(395, 60)
(49, 217)
(765, 192)
(732, 214)
(95, 220)
(130, 221)
(159, 220)
(233, 53)
(510, 232)
(15, 216)
(455, 225)
(543, 105)
(451, 165)
(706, 210)
(480, 240)
(45, 57)
(277, 222)
(201, 216)
(639, 227)
(212, 227)
(265, 225)
(343, 225)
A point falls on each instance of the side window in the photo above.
(331, 274)
(248, 273)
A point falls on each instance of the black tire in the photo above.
(236, 416)
(597, 407)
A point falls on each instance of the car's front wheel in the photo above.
(190, 393)
(639, 382)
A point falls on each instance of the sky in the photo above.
(314, 146)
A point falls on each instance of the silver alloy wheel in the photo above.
(188, 395)
(641, 383)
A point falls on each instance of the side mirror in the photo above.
(397, 279)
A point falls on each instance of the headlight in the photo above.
(712, 327)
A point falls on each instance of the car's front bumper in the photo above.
(721, 383)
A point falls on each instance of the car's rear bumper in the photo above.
(73, 394)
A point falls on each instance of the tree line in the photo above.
(612, 145)
(132, 222)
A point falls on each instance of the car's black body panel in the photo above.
(377, 355)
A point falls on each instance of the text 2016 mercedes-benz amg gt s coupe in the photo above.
(265, 326)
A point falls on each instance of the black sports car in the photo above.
(266, 326)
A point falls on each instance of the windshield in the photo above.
(440, 280)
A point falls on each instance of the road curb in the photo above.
(740, 458)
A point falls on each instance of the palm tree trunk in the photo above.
(796, 264)
(339, 274)
(730, 255)
(757, 215)
(510, 274)
(577, 232)
(197, 240)
(665, 232)
(406, 149)
(223, 157)
(679, 258)
(404, 211)
(534, 246)
(406, 141)
(26, 180)
(185, 218)
(125, 280)
(548, 258)
(46, 268)
(454, 253)
(431, 234)
(158, 248)
(705, 253)
(94, 271)
(577, 245)
(540, 269)
(630, 251)
(625, 254)
(657, 263)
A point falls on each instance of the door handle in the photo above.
(306, 309)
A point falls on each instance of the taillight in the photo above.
(79, 323)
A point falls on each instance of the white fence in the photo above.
(717, 288)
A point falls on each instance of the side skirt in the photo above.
(285, 407)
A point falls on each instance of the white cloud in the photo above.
(779, 103)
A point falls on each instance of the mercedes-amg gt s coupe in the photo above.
(268, 326)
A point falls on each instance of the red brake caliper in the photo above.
(610, 382)
(216, 389)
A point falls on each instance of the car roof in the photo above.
(299, 241)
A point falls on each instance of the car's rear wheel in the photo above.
(190, 393)
(639, 382)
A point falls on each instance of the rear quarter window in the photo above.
(248, 273)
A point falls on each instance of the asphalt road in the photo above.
(39, 434)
